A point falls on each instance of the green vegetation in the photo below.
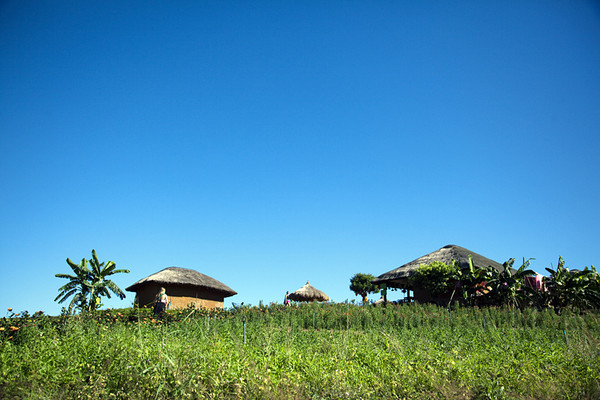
(437, 278)
(313, 351)
(472, 283)
(572, 288)
(88, 284)
(361, 285)
(507, 286)
(488, 286)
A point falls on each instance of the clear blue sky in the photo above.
(270, 143)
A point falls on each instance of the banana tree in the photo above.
(573, 288)
(78, 286)
(507, 286)
(89, 283)
(99, 285)
(472, 281)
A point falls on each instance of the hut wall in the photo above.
(180, 296)
(422, 295)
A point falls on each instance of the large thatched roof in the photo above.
(184, 277)
(446, 254)
(308, 293)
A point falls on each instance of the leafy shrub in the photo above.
(437, 277)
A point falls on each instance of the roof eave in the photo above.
(139, 285)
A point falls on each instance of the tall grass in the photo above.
(316, 351)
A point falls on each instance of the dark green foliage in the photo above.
(361, 285)
(87, 285)
(580, 289)
(437, 278)
(471, 282)
(507, 286)
(76, 287)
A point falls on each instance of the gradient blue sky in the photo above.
(270, 143)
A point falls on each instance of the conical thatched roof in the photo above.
(183, 276)
(446, 254)
(308, 293)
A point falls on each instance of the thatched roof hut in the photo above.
(398, 277)
(308, 293)
(184, 288)
(446, 254)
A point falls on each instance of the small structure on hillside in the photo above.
(399, 277)
(185, 287)
(308, 293)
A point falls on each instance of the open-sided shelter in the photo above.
(308, 293)
(399, 277)
(185, 287)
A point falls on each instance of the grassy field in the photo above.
(315, 351)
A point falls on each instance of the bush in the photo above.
(437, 278)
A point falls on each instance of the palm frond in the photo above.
(66, 276)
(64, 295)
(68, 286)
(115, 289)
(95, 258)
(74, 266)
(89, 282)
(120, 271)
(110, 265)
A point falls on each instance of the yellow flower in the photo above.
(1, 328)
(14, 328)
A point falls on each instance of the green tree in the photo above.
(437, 277)
(361, 285)
(77, 286)
(88, 284)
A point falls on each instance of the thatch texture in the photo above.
(308, 293)
(446, 255)
(185, 277)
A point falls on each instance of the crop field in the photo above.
(309, 351)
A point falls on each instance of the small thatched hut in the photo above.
(308, 293)
(398, 278)
(184, 287)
